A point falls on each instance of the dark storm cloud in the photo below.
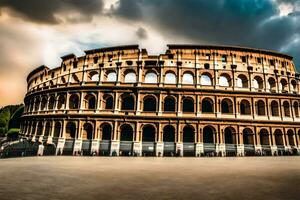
(254, 23)
(141, 33)
(47, 11)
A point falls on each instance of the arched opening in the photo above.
(62, 80)
(148, 140)
(74, 101)
(109, 102)
(229, 135)
(170, 78)
(51, 103)
(188, 139)
(47, 129)
(130, 77)
(264, 137)
(188, 78)
(87, 132)
(260, 108)
(206, 79)
(294, 86)
(71, 130)
(208, 140)
(169, 140)
(224, 80)
(44, 103)
(61, 101)
(149, 103)
(248, 136)
(278, 137)
(283, 85)
(286, 108)
(151, 77)
(169, 104)
(207, 105)
(274, 108)
(227, 106)
(106, 132)
(106, 136)
(188, 105)
(126, 139)
(126, 133)
(94, 76)
(40, 128)
(33, 126)
(89, 101)
(272, 84)
(57, 129)
(290, 134)
(242, 81)
(258, 83)
(245, 108)
(111, 76)
(127, 102)
(296, 109)
(37, 104)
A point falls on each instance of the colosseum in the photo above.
(192, 100)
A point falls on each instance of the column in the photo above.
(115, 143)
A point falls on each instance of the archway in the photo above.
(126, 140)
(230, 141)
(245, 108)
(169, 104)
(208, 140)
(188, 105)
(260, 108)
(248, 138)
(169, 140)
(87, 137)
(188, 139)
(227, 106)
(127, 102)
(149, 103)
(207, 105)
(71, 133)
(148, 140)
(106, 136)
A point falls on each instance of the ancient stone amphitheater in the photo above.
(193, 100)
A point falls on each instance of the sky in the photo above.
(37, 32)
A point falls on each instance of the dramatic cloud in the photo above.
(35, 32)
(54, 11)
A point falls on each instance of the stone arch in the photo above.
(286, 109)
(242, 81)
(37, 104)
(274, 108)
(227, 106)
(290, 134)
(260, 108)
(111, 76)
(225, 80)
(283, 85)
(126, 132)
(127, 101)
(93, 76)
(57, 130)
(248, 136)
(207, 105)
(74, 101)
(272, 84)
(278, 137)
(294, 85)
(130, 76)
(106, 131)
(296, 108)
(61, 101)
(90, 101)
(149, 103)
(170, 77)
(169, 134)
(208, 134)
(188, 104)
(39, 128)
(188, 134)
(47, 129)
(258, 83)
(71, 130)
(229, 135)
(148, 133)
(51, 103)
(245, 108)
(170, 103)
(264, 137)
(108, 101)
(88, 131)
(44, 103)
(151, 77)
(74, 78)
(206, 79)
(188, 78)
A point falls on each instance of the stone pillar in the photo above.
(199, 149)
(159, 147)
(116, 105)
(138, 103)
(115, 143)
(160, 102)
(179, 111)
(60, 146)
(137, 148)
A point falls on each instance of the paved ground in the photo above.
(149, 178)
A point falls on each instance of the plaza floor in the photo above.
(149, 178)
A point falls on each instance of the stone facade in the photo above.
(193, 100)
